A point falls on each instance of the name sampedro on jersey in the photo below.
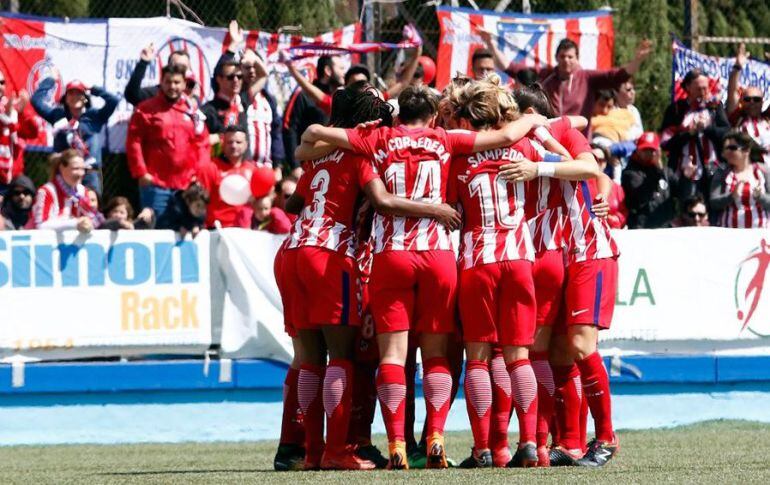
(413, 163)
(494, 228)
(331, 188)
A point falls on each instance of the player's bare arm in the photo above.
(386, 203)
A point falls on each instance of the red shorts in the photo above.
(590, 295)
(366, 349)
(497, 303)
(414, 290)
(319, 288)
(288, 326)
(548, 274)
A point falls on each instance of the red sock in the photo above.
(478, 400)
(391, 389)
(545, 391)
(583, 421)
(364, 404)
(309, 393)
(501, 402)
(437, 387)
(292, 428)
(337, 398)
(524, 398)
(596, 387)
(567, 399)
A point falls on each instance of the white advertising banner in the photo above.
(66, 295)
(693, 284)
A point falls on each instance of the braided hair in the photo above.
(359, 103)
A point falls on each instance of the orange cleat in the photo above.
(436, 452)
(397, 453)
(501, 457)
(543, 457)
(344, 460)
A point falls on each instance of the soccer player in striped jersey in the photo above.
(742, 190)
(497, 292)
(590, 285)
(414, 274)
(318, 277)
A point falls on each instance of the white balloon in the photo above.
(234, 189)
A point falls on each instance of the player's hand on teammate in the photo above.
(369, 124)
(448, 217)
(519, 171)
(600, 207)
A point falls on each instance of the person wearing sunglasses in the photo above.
(226, 109)
(741, 191)
(744, 107)
(17, 204)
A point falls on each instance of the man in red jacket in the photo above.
(167, 143)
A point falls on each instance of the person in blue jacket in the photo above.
(76, 124)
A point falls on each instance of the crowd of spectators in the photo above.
(706, 165)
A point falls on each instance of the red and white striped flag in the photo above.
(531, 39)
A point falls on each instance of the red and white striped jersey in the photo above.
(259, 119)
(494, 228)
(52, 205)
(331, 187)
(543, 210)
(747, 213)
(586, 236)
(412, 163)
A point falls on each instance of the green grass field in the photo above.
(714, 452)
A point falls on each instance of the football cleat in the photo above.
(345, 460)
(373, 454)
(436, 452)
(525, 457)
(599, 453)
(478, 460)
(543, 457)
(560, 456)
(397, 453)
(289, 458)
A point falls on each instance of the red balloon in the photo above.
(262, 180)
(429, 68)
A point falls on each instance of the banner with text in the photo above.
(67, 295)
(754, 73)
(104, 52)
(527, 39)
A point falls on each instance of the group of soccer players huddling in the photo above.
(369, 274)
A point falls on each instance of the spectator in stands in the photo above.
(135, 93)
(76, 124)
(617, 199)
(648, 186)
(16, 124)
(744, 109)
(610, 122)
(624, 99)
(119, 214)
(269, 218)
(741, 191)
(301, 111)
(63, 202)
(692, 133)
(17, 204)
(232, 162)
(284, 189)
(694, 214)
(167, 142)
(482, 63)
(226, 109)
(264, 122)
(571, 89)
(187, 210)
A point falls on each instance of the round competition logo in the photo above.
(753, 311)
(41, 70)
(199, 65)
